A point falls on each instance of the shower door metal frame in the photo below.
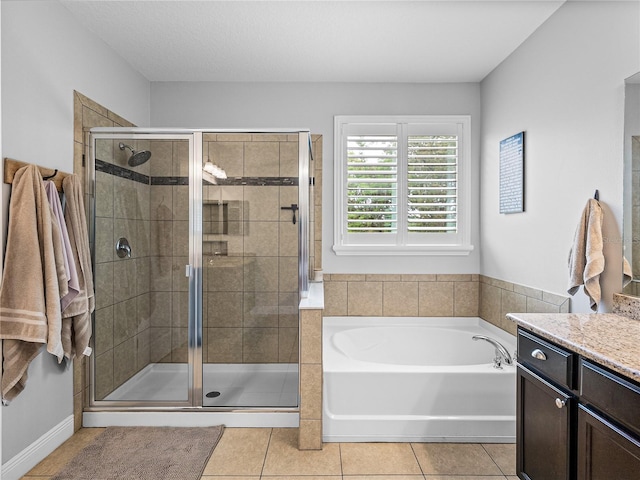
(194, 340)
(194, 269)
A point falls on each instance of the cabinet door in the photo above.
(605, 452)
(544, 418)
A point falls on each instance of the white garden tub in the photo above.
(416, 379)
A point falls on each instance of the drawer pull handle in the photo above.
(560, 403)
(539, 354)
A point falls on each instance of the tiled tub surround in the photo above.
(606, 338)
(431, 295)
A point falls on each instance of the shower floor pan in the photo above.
(228, 385)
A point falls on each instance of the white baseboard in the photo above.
(28, 458)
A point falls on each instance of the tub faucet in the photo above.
(502, 355)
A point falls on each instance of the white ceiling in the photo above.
(313, 41)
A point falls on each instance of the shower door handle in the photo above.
(188, 271)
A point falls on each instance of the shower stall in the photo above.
(200, 241)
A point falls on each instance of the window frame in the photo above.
(402, 243)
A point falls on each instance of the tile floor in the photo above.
(272, 454)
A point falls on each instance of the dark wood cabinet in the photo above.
(590, 432)
(544, 429)
(605, 450)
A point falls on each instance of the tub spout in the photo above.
(502, 355)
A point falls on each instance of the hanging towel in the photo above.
(76, 324)
(627, 272)
(72, 284)
(586, 260)
(29, 296)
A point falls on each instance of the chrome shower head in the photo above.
(136, 158)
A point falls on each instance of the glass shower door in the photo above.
(250, 247)
(142, 245)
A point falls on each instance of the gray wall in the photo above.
(313, 105)
(564, 86)
(46, 55)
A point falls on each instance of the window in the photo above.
(402, 185)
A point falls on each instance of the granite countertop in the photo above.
(606, 338)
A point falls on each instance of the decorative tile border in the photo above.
(118, 171)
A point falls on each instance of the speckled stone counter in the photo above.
(609, 339)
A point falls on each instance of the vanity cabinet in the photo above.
(576, 420)
(546, 410)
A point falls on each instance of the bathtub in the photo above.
(412, 379)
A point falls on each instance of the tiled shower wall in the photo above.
(250, 250)
(87, 114)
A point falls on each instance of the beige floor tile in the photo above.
(378, 459)
(64, 453)
(454, 459)
(284, 458)
(227, 477)
(241, 451)
(466, 477)
(378, 477)
(301, 477)
(504, 454)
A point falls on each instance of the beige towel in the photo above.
(586, 260)
(29, 298)
(627, 272)
(76, 325)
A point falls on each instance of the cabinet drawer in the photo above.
(619, 398)
(552, 361)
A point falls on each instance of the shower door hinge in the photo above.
(83, 160)
(312, 181)
(188, 271)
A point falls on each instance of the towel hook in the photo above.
(596, 195)
(55, 172)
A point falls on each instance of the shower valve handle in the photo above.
(293, 208)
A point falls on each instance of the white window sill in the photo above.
(434, 250)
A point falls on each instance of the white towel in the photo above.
(586, 260)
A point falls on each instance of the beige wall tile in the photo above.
(260, 309)
(364, 298)
(262, 203)
(261, 274)
(224, 345)
(309, 438)
(538, 306)
(261, 159)
(335, 298)
(311, 336)
(435, 299)
(310, 391)
(382, 278)
(490, 303)
(229, 156)
(288, 345)
(261, 239)
(466, 299)
(224, 309)
(453, 277)
(259, 345)
(400, 299)
(289, 159)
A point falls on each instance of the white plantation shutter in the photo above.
(372, 184)
(400, 185)
(432, 176)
